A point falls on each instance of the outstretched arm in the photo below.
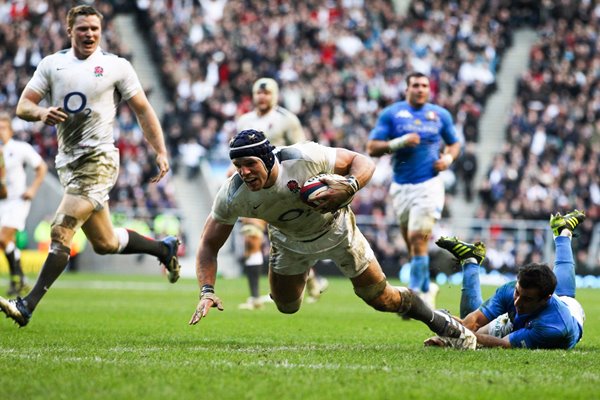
(213, 238)
(492, 341)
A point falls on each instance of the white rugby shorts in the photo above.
(14, 212)
(417, 206)
(91, 176)
(351, 252)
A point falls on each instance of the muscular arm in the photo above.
(377, 148)
(475, 320)
(213, 238)
(28, 109)
(351, 163)
(492, 341)
(152, 131)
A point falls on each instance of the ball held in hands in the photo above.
(315, 186)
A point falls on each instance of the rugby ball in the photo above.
(313, 187)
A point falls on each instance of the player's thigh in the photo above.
(353, 255)
(7, 235)
(287, 288)
(91, 176)
(427, 206)
(575, 308)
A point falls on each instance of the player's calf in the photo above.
(381, 296)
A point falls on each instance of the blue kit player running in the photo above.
(414, 132)
(537, 311)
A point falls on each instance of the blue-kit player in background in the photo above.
(422, 141)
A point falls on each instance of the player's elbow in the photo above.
(372, 149)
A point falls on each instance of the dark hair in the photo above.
(415, 75)
(81, 10)
(536, 275)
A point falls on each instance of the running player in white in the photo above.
(282, 128)
(267, 186)
(15, 208)
(83, 86)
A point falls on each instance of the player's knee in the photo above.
(375, 295)
(63, 228)
(290, 307)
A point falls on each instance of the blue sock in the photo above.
(470, 297)
(564, 267)
(419, 273)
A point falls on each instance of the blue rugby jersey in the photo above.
(432, 122)
(553, 327)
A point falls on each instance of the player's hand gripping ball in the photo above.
(314, 187)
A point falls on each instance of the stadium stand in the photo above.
(338, 63)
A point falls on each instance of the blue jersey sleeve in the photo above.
(448, 132)
(501, 302)
(538, 336)
(384, 127)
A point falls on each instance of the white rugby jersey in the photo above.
(290, 220)
(17, 155)
(89, 91)
(279, 125)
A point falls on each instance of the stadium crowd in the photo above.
(339, 63)
(550, 160)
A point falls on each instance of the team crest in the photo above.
(431, 116)
(293, 186)
(98, 71)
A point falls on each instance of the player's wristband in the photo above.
(206, 289)
(448, 159)
(397, 143)
(354, 183)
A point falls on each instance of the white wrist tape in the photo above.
(397, 143)
(448, 159)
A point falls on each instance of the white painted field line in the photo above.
(116, 285)
(276, 364)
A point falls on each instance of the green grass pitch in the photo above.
(127, 337)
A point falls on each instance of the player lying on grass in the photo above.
(267, 186)
(537, 311)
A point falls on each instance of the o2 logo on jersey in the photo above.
(75, 102)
